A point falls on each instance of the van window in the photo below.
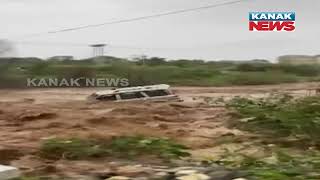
(156, 93)
(131, 95)
(107, 98)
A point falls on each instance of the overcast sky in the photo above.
(211, 34)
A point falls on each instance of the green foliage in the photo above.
(139, 145)
(187, 63)
(302, 70)
(258, 78)
(158, 70)
(75, 148)
(245, 67)
(39, 69)
(281, 116)
(72, 149)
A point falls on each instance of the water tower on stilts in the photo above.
(98, 49)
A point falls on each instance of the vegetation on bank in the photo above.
(281, 164)
(123, 147)
(289, 128)
(14, 72)
(282, 116)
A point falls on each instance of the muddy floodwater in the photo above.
(29, 116)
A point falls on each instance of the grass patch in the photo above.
(126, 147)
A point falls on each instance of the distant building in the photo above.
(299, 59)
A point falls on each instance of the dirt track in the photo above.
(29, 116)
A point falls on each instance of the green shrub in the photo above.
(281, 116)
(128, 147)
(73, 148)
(139, 145)
(245, 67)
(258, 78)
(301, 70)
(157, 70)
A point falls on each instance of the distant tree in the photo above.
(144, 60)
(247, 67)
(186, 63)
(156, 61)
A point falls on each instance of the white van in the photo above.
(159, 92)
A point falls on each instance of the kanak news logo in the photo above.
(272, 21)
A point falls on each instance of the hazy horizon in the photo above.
(212, 34)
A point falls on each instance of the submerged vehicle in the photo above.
(159, 92)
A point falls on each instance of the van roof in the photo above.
(134, 89)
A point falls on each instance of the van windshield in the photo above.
(156, 93)
(107, 98)
(131, 95)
